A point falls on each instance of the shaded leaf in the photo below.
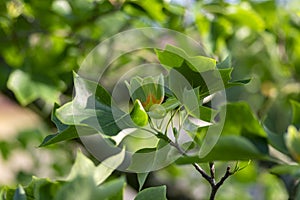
(276, 140)
(141, 179)
(79, 188)
(296, 113)
(42, 188)
(228, 148)
(20, 193)
(112, 190)
(153, 193)
(293, 170)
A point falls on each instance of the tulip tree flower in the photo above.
(149, 90)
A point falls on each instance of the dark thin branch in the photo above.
(210, 179)
(212, 169)
(218, 185)
(204, 174)
(226, 175)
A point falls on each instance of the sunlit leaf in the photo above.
(175, 57)
(85, 167)
(28, 88)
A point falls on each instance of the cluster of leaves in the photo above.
(85, 177)
(43, 41)
(93, 112)
(288, 145)
(113, 120)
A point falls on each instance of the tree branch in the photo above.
(210, 179)
(218, 185)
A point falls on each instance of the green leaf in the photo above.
(175, 57)
(240, 120)
(293, 170)
(153, 193)
(2, 191)
(199, 71)
(143, 160)
(85, 89)
(78, 188)
(65, 132)
(38, 188)
(149, 159)
(157, 111)
(112, 190)
(276, 140)
(141, 179)
(216, 80)
(245, 17)
(42, 188)
(108, 121)
(296, 113)
(20, 193)
(28, 88)
(93, 107)
(170, 104)
(227, 63)
(207, 114)
(154, 9)
(85, 167)
(242, 137)
(228, 148)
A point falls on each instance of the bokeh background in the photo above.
(42, 42)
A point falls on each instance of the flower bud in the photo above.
(138, 114)
(149, 90)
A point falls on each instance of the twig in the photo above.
(210, 179)
(215, 187)
(212, 169)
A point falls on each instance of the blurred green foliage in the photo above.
(42, 42)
